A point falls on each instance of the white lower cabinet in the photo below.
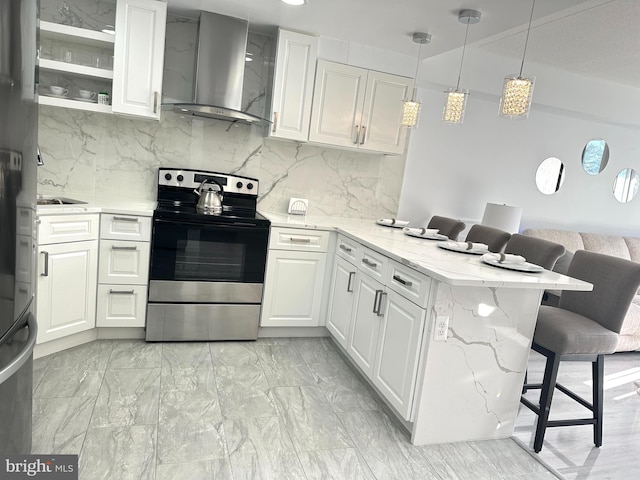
(341, 299)
(381, 322)
(124, 270)
(66, 298)
(398, 349)
(121, 305)
(294, 278)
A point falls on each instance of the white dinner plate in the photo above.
(89, 100)
(427, 236)
(455, 248)
(398, 224)
(520, 267)
(54, 95)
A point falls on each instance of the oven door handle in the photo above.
(213, 225)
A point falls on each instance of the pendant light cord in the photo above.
(526, 42)
(415, 77)
(464, 47)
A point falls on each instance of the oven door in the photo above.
(207, 262)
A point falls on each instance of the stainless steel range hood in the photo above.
(219, 73)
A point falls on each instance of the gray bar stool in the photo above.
(584, 327)
(449, 227)
(535, 250)
(494, 238)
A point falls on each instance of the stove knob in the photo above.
(180, 178)
(167, 176)
(249, 186)
(239, 185)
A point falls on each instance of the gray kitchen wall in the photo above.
(108, 156)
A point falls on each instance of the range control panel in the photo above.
(192, 179)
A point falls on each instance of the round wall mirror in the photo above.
(625, 186)
(550, 175)
(595, 156)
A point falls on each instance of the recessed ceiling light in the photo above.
(294, 2)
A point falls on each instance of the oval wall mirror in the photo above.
(595, 156)
(550, 175)
(625, 186)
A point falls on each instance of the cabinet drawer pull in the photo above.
(349, 286)
(155, 102)
(364, 134)
(299, 240)
(401, 280)
(356, 134)
(46, 264)
(127, 219)
(117, 247)
(369, 263)
(123, 292)
(275, 122)
(345, 248)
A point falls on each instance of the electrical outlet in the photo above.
(441, 328)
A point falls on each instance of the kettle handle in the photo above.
(198, 191)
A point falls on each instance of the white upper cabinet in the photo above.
(358, 108)
(139, 57)
(293, 85)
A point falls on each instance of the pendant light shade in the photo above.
(456, 103)
(411, 108)
(517, 90)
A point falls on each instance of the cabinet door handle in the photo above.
(275, 122)
(46, 265)
(299, 240)
(345, 248)
(349, 286)
(377, 302)
(117, 247)
(356, 134)
(127, 219)
(369, 263)
(364, 134)
(155, 102)
(124, 292)
(382, 295)
(401, 280)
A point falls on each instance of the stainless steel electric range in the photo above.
(207, 270)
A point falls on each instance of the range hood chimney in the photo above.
(219, 70)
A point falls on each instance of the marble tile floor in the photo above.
(287, 408)
(570, 450)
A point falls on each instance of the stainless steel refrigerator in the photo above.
(18, 153)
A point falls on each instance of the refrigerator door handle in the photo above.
(24, 354)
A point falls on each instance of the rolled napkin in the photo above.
(467, 245)
(392, 222)
(503, 258)
(428, 232)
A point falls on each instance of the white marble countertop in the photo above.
(97, 205)
(425, 256)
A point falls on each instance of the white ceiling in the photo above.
(598, 38)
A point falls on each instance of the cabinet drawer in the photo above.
(298, 239)
(125, 227)
(373, 263)
(121, 306)
(407, 282)
(347, 249)
(67, 228)
(125, 263)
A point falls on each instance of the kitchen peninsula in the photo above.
(444, 338)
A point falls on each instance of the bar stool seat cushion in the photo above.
(566, 332)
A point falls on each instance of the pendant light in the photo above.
(411, 108)
(456, 103)
(517, 90)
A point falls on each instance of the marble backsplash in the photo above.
(106, 156)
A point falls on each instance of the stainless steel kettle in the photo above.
(210, 201)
